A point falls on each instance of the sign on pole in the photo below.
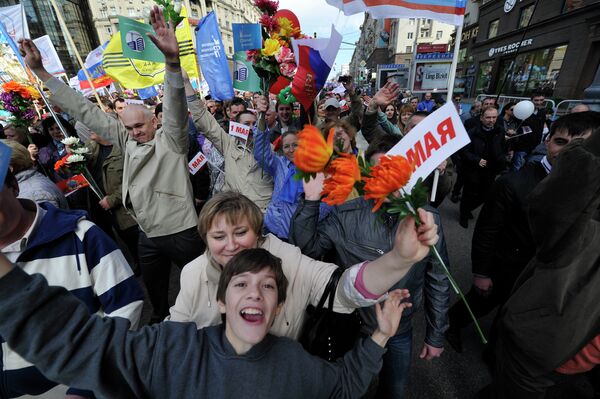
(197, 163)
(239, 130)
(432, 141)
(136, 44)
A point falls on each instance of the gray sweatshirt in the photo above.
(54, 331)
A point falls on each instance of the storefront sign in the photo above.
(509, 48)
(434, 56)
(431, 76)
(471, 33)
(432, 48)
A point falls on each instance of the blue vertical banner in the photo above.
(212, 58)
(246, 37)
(4, 162)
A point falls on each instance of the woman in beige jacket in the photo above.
(230, 222)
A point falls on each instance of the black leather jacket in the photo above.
(356, 234)
(502, 241)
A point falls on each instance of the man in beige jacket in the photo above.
(156, 187)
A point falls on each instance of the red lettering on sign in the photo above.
(446, 130)
(430, 144)
(415, 155)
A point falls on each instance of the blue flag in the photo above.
(147, 92)
(4, 162)
(246, 37)
(212, 58)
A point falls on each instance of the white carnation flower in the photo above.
(70, 141)
(81, 150)
(75, 158)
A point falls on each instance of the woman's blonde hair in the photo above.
(20, 159)
(234, 206)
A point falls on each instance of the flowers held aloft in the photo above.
(275, 58)
(343, 173)
(17, 99)
(70, 141)
(75, 159)
(267, 6)
(313, 153)
(387, 177)
(271, 47)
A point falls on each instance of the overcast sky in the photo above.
(318, 16)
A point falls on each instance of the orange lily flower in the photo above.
(313, 153)
(343, 174)
(388, 176)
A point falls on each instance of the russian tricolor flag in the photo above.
(314, 58)
(447, 11)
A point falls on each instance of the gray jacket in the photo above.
(35, 186)
(357, 235)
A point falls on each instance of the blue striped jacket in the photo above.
(74, 253)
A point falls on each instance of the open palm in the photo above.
(164, 37)
(387, 94)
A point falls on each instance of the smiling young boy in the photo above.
(175, 360)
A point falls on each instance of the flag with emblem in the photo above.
(136, 74)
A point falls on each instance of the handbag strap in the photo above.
(330, 290)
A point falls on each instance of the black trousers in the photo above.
(474, 194)
(156, 255)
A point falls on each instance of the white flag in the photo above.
(14, 21)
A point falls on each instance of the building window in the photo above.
(438, 35)
(525, 17)
(493, 28)
(409, 49)
(113, 10)
(424, 33)
(131, 12)
(410, 35)
(230, 50)
(104, 13)
(109, 30)
(484, 77)
(462, 55)
(534, 71)
(194, 14)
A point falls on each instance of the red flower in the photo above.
(268, 6)
(269, 23)
(343, 174)
(388, 176)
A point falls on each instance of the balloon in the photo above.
(279, 85)
(523, 110)
(289, 15)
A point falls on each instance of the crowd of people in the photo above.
(256, 246)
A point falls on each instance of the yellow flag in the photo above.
(137, 74)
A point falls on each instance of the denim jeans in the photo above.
(396, 364)
(518, 161)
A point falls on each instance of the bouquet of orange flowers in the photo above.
(17, 98)
(384, 183)
(276, 57)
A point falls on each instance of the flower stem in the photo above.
(458, 291)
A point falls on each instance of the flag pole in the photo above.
(452, 76)
(67, 34)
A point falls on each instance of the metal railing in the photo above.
(564, 107)
(503, 100)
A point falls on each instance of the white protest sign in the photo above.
(433, 140)
(50, 58)
(14, 21)
(197, 163)
(134, 101)
(239, 130)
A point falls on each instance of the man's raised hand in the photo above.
(164, 37)
(33, 58)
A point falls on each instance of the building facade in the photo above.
(42, 20)
(407, 33)
(558, 55)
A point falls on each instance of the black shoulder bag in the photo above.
(326, 333)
